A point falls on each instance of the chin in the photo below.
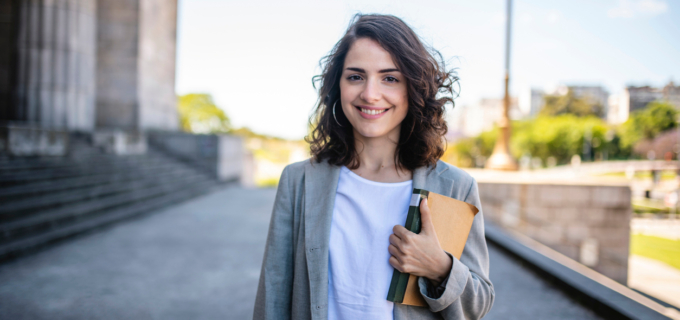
(372, 132)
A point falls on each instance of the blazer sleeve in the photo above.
(275, 289)
(468, 293)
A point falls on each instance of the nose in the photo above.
(371, 92)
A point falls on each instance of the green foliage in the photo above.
(470, 152)
(647, 123)
(662, 249)
(268, 182)
(199, 114)
(247, 133)
(570, 104)
(560, 137)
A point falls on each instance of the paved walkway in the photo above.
(201, 260)
(654, 278)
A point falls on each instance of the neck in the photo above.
(377, 154)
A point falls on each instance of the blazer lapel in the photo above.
(321, 183)
(430, 180)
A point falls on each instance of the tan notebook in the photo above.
(452, 221)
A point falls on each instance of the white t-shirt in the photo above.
(359, 272)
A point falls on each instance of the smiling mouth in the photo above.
(372, 111)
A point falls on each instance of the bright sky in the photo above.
(257, 58)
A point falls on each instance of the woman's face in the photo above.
(372, 90)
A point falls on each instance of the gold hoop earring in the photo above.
(336, 119)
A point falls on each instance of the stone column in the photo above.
(156, 60)
(7, 13)
(117, 48)
(54, 85)
(136, 65)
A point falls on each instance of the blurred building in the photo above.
(531, 101)
(671, 94)
(618, 111)
(594, 94)
(485, 114)
(88, 120)
(89, 65)
(636, 98)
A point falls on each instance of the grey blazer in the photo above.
(294, 275)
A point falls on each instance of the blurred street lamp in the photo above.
(501, 159)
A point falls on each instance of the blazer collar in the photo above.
(321, 183)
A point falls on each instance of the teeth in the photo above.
(372, 112)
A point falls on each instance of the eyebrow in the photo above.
(380, 71)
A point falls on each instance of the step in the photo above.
(27, 205)
(30, 244)
(27, 163)
(47, 187)
(74, 170)
(50, 186)
(64, 215)
(57, 162)
(41, 187)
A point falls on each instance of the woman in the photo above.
(336, 230)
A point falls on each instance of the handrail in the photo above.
(604, 295)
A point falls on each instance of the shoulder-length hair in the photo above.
(429, 87)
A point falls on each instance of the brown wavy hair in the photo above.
(429, 87)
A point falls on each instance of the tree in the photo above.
(560, 137)
(648, 122)
(570, 104)
(199, 114)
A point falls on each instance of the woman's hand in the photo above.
(419, 254)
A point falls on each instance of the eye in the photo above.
(354, 77)
(391, 79)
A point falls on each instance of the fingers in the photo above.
(424, 210)
(394, 258)
(425, 217)
(395, 264)
(395, 240)
(395, 252)
(398, 259)
(403, 233)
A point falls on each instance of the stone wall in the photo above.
(588, 223)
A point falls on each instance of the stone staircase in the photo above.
(47, 199)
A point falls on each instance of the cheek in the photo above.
(400, 100)
(347, 93)
(402, 113)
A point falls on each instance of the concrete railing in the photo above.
(587, 222)
(219, 155)
(601, 294)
